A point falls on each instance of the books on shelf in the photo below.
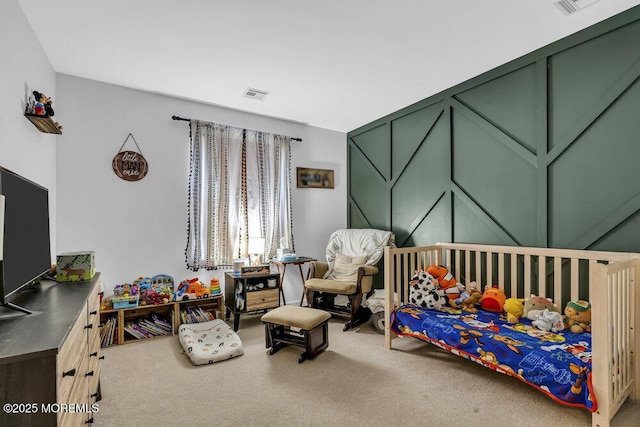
(195, 315)
(149, 327)
(108, 332)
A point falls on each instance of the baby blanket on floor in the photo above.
(209, 342)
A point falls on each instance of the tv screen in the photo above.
(26, 246)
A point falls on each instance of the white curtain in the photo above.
(239, 188)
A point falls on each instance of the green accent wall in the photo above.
(541, 151)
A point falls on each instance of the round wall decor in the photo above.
(130, 165)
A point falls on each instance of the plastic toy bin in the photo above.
(125, 302)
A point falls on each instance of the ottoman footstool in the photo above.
(300, 326)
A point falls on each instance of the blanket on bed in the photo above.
(558, 364)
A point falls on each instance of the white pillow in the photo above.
(345, 268)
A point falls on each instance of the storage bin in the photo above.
(125, 302)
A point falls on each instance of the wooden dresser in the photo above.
(50, 359)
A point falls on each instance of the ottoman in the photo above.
(299, 326)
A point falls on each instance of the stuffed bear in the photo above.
(578, 316)
(535, 304)
(514, 307)
(467, 300)
(548, 321)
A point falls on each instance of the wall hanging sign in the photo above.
(130, 165)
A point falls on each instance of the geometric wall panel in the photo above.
(541, 151)
(510, 113)
(598, 174)
(496, 178)
(375, 146)
(469, 228)
(368, 191)
(411, 129)
(423, 180)
(580, 76)
(433, 229)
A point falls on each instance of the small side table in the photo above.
(282, 269)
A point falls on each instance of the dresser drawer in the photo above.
(79, 396)
(70, 355)
(259, 300)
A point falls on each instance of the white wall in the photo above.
(25, 68)
(139, 228)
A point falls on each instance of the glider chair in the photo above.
(352, 255)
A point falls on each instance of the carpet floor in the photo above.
(356, 381)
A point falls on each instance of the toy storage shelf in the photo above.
(44, 124)
(115, 321)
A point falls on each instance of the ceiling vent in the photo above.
(569, 7)
(255, 94)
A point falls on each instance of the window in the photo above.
(239, 190)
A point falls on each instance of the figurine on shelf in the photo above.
(42, 105)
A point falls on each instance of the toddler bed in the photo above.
(593, 370)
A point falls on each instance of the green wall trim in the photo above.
(594, 112)
(541, 151)
(498, 134)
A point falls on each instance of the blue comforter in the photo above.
(558, 364)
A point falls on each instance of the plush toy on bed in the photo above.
(423, 293)
(549, 321)
(514, 307)
(493, 299)
(535, 304)
(578, 316)
(451, 287)
(468, 299)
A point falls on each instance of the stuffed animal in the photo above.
(493, 299)
(446, 281)
(468, 300)
(535, 304)
(578, 316)
(421, 285)
(514, 307)
(549, 321)
(434, 300)
(43, 104)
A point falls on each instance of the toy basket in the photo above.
(125, 302)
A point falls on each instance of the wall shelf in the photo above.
(44, 124)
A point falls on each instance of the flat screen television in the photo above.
(26, 245)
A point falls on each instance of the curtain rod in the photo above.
(188, 120)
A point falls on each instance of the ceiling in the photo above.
(335, 64)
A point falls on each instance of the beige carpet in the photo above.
(356, 381)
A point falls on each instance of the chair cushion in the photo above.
(331, 286)
(298, 317)
(345, 267)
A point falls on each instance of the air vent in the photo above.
(569, 7)
(255, 94)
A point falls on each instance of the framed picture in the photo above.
(315, 178)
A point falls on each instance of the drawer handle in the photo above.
(101, 357)
(89, 374)
(93, 313)
(89, 421)
(94, 354)
(94, 394)
(71, 373)
(89, 326)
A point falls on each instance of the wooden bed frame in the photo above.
(522, 271)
